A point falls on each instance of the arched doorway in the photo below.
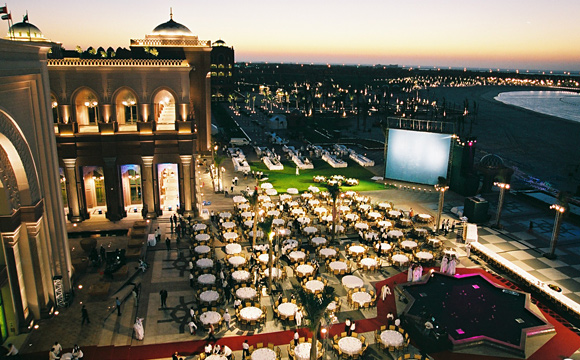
(87, 108)
(94, 182)
(126, 107)
(131, 184)
(164, 110)
(168, 186)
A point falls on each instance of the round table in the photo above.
(248, 223)
(273, 213)
(361, 297)
(307, 196)
(434, 242)
(320, 210)
(384, 224)
(421, 232)
(239, 199)
(369, 262)
(327, 252)
(233, 248)
(297, 212)
(344, 208)
(264, 354)
(199, 227)
(276, 272)
(405, 222)
(303, 220)
(287, 309)
(204, 263)
(365, 207)
(285, 197)
(237, 260)
(271, 192)
(392, 338)
(361, 226)
(351, 281)
(229, 225)
(278, 222)
(202, 249)
(400, 259)
(424, 255)
(408, 244)
(243, 206)
(293, 203)
(206, 279)
(247, 214)
(302, 351)
(450, 252)
(371, 235)
(350, 345)
(394, 213)
(241, 275)
(202, 237)
(318, 240)
(338, 265)
(384, 205)
(230, 236)
(66, 356)
(310, 230)
(313, 202)
(264, 198)
(250, 313)
(297, 255)
(356, 250)
(210, 317)
(395, 234)
(226, 215)
(374, 215)
(351, 217)
(361, 198)
(264, 258)
(209, 296)
(314, 286)
(246, 293)
(216, 357)
(304, 270)
(383, 247)
(292, 191)
(424, 217)
(289, 244)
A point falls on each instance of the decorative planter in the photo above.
(88, 244)
(107, 128)
(146, 127)
(183, 126)
(67, 129)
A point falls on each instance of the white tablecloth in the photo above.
(226, 215)
(313, 202)
(244, 206)
(210, 317)
(202, 249)
(364, 207)
(374, 215)
(361, 297)
(351, 282)
(307, 196)
(384, 224)
(264, 198)
(273, 213)
(233, 249)
(289, 245)
(241, 275)
(204, 263)
(246, 293)
(276, 272)
(449, 252)
(287, 309)
(250, 313)
(202, 237)
(297, 255)
(237, 260)
(304, 270)
(368, 262)
(209, 296)
(303, 220)
(264, 354)
(383, 246)
(424, 217)
(395, 234)
(424, 255)
(199, 227)
(421, 232)
(302, 351)
(248, 223)
(392, 338)
(338, 265)
(297, 211)
(434, 242)
(314, 285)
(216, 357)
(344, 208)
(310, 230)
(405, 222)
(356, 249)
(351, 217)
(327, 252)
(320, 210)
(229, 225)
(408, 244)
(394, 213)
(371, 235)
(361, 226)
(278, 222)
(264, 258)
(400, 259)
(350, 345)
(384, 205)
(206, 279)
(239, 199)
(318, 240)
(259, 233)
(247, 214)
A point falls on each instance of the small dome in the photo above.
(25, 31)
(491, 161)
(219, 43)
(171, 28)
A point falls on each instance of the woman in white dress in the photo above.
(298, 317)
(410, 273)
(138, 327)
(444, 264)
(452, 266)
(417, 273)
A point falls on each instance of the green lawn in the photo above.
(287, 178)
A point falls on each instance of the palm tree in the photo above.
(266, 227)
(217, 160)
(254, 203)
(334, 191)
(315, 306)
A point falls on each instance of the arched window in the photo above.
(87, 107)
(126, 106)
(165, 110)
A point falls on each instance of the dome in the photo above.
(25, 31)
(171, 28)
(219, 43)
(491, 161)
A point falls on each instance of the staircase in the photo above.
(167, 115)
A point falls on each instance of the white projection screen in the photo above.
(418, 157)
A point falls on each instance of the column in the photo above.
(13, 260)
(36, 269)
(186, 163)
(115, 208)
(147, 184)
(72, 193)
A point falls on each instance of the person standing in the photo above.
(298, 316)
(227, 318)
(296, 337)
(245, 349)
(468, 249)
(385, 290)
(347, 325)
(191, 279)
(211, 333)
(85, 315)
(12, 350)
(118, 305)
(192, 327)
(57, 348)
(444, 264)
(163, 294)
(168, 243)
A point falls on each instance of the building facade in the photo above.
(222, 70)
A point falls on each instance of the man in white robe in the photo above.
(298, 317)
(410, 273)
(444, 264)
(385, 290)
(452, 266)
(138, 327)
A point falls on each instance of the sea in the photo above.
(562, 104)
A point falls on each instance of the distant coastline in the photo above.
(562, 104)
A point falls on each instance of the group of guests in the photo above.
(415, 272)
(217, 349)
(449, 264)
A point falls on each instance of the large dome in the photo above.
(491, 161)
(25, 31)
(171, 28)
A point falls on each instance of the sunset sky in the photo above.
(513, 34)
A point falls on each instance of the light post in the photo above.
(502, 188)
(441, 189)
(556, 231)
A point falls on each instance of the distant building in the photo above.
(222, 70)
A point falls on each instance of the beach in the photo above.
(543, 146)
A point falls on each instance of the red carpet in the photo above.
(563, 344)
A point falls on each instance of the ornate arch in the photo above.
(8, 178)
(120, 89)
(19, 158)
(168, 89)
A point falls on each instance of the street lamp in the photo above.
(441, 189)
(557, 223)
(502, 188)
